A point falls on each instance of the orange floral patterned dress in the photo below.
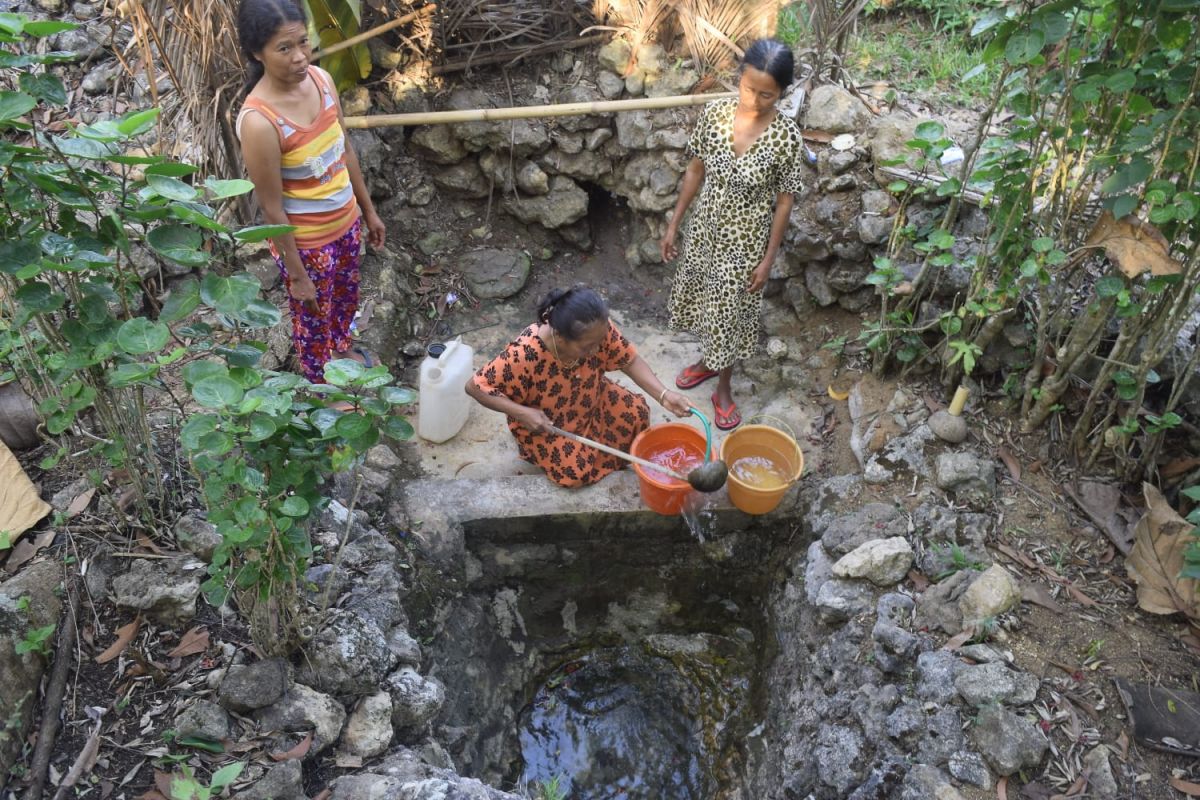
(581, 400)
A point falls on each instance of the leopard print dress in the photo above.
(727, 235)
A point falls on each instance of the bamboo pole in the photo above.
(533, 112)
(371, 34)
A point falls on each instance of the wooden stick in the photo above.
(64, 657)
(612, 451)
(516, 55)
(533, 112)
(371, 34)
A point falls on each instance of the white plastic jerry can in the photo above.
(445, 404)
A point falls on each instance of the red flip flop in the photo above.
(726, 418)
(691, 377)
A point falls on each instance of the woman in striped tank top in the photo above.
(306, 174)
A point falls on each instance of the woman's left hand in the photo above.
(758, 278)
(376, 232)
(676, 403)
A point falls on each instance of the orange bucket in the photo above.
(666, 495)
(767, 442)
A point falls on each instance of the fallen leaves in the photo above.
(1161, 538)
(1010, 461)
(193, 642)
(1102, 502)
(1039, 595)
(27, 549)
(125, 635)
(1187, 787)
(1133, 245)
(297, 752)
(1076, 593)
(20, 505)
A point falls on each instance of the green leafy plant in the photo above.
(959, 561)
(264, 450)
(549, 789)
(1191, 556)
(36, 640)
(185, 786)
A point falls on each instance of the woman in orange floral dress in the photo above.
(553, 373)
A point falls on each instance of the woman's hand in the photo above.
(533, 418)
(304, 290)
(676, 403)
(758, 278)
(666, 246)
(376, 231)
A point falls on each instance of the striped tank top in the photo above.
(317, 195)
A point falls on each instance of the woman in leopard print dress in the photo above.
(746, 165)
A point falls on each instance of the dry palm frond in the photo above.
(715, 30)
(831, 22)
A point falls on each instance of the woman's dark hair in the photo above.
(572, 311)
(772, 57)
(257, 22)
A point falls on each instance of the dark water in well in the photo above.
(635, 723)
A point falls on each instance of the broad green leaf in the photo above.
(1120, 82)
(1053, 24)
(182, 300)
(1110, 286)
(949, 187)
(351, 426)
(48, 27)
(139, 335)
(261, 427)
(294, 506)
(1043, 244)
(16, 254)
(260, 233)
(226, 775)
(220, 189)
(190, 212)
(1124, 205)
(200, 744)
(333, 21)
(171, 169)
(14, 105)
(1023, 46)
(178, 243)
(197, 371)
(38, 296)
(217, 391)
(398, 428)
(246, 354)
(12, 23)
(929, 131)
(229, 294)
(1191, 493)
(46, 87)
(989, 20)
(171, 188)
(135, 123)
(343, 371)
(1127, 176)
(129, 374)
(259, 314)
(397, 395)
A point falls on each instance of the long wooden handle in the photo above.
(612, 451)
(532, 112)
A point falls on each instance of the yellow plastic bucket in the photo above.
(768, 442)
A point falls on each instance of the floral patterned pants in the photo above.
(334, 270)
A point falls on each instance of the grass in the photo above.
(915, 51)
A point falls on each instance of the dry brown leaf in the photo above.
(153, 794)
(1108, 555)
(1191, 640)
(162, 782)
(324, 794)
(958, 640)
(80, 503)
(1135, 246)
(1020, 558)
(1077, 594)
(920, 582)
(125, 635)
(27, 549)
(1123, 746)
(1010, 461)
(20, 505)
(1179, 466)
(1078, 786)
(297, 752)
(1002, 788)
(1187, 787)
(193, 642)
(1160, 539)
(1039, 595)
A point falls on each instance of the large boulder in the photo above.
(832, 108)
(165, 591)
(566, 203)
(369, 730)
(301, 710)
(883, 561)
(991, 594)
(437, 144)
(247, 687)
(495, 274)
(348, 656)
(888, 137)
(416, 699)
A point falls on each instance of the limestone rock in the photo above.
(924, 782)
(833, 109)
(303, 709)
(816, 280)
(671, 82)
(967, 475)
(858, 300)
(937, 608)
(948, 427)
(876, 202)
(988, 684)
(610, 85)
(21, 673)
(874, 230)
(83, 43)
(204, 720)
(882, 561)
(438, 144)
(839, 600)
(839, 162)
(582, 93)
(807, 247)
(383, 458)
(197, 536)
(839, 756)
(969, 768)
(1009, 743)
(100, 78)
(567, 141)
(369, 729)
(416, 699)
(356, 101)
(465, 177)
(847, 276)
(936, 671)
(595, 138)
(494, 274)
(1101, 783)
(872, 521)
(566, 203)
(164, 593)
(284, 781)
(256, 685)
(615, 56)
(348, 656)
(888, 136)
(584, 165)
(532, 179)
(991, 594)
(818, 568)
